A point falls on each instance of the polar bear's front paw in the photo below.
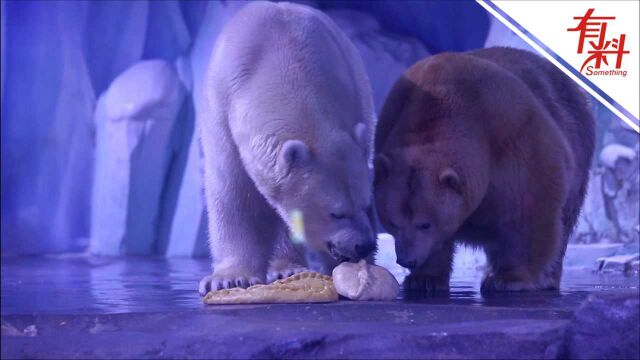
(223, 281)
(282, 269)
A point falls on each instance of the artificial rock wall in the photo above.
(100, 101)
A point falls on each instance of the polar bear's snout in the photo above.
(353, 242)
(355, 253)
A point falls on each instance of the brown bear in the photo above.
(490, 148)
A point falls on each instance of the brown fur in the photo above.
(517, 135)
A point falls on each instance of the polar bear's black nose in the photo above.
(365, 249)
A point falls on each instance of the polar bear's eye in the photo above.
(424, 226)
(338, 216)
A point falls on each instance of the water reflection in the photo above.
(82, 284)
(576, 285)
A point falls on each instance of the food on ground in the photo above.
(305, 287)
(362, 281)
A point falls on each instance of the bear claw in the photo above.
(214, 282)
(284, 273)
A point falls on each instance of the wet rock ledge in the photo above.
(605, 325)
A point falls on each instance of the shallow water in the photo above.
(77, 284)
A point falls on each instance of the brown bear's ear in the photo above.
(381, 165)
(294, 153)
(450, 178)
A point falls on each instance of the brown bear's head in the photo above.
(420, 202)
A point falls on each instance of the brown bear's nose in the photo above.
(406, 264)
(365, 249)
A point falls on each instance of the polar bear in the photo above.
(289, 127)
(490, 147)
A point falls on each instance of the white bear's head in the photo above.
(331, 185)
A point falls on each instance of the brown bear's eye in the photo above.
(424, 226)
(337, 216)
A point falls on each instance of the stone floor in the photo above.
(80, 307)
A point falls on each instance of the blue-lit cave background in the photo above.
(83, 81)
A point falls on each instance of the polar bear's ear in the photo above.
(293, 153)
(450, 178)
(360, 134)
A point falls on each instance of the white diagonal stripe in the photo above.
(628, 120)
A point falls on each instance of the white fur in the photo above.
(281, 72)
